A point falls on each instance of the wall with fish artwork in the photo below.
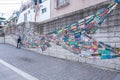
(89, 36)
(77, 36)
(90, 32)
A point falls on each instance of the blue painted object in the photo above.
(116, 1)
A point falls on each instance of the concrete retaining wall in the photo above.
(60, 52)
(108, 32)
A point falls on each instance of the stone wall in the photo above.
(110, 29)
(108, 32)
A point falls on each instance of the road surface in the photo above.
(19, 64)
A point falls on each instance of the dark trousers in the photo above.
(19, 45)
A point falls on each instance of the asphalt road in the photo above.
(19, 64)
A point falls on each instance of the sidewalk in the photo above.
(8, 74)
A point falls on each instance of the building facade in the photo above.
(61, 7)
(12, 22)
(44, 11)
(26, 13)
(32, 12)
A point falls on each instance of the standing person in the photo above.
(19, 42)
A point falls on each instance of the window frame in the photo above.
(63, 4)
(43, 10)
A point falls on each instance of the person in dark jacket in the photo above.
(19, 42)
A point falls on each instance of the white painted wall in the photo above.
(44, 16)
(30, 16)
(40, 16)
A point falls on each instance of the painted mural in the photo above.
(75, 37)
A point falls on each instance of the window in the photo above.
(61, 3)
(34, 10)
(23, 9)
(38, 1)
(29, 12)
(44, 10)
(25, 17)
(41, 1)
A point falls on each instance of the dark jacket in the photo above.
(19, 40)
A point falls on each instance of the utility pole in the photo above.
(2, 14)
(4, 33)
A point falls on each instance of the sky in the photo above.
(8, 6)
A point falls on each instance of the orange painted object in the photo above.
(73, 27)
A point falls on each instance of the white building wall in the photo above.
(30, 16)
(31, 13)
(46, 15)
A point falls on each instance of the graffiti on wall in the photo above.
(75, 37)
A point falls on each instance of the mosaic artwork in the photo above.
(75, 37)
